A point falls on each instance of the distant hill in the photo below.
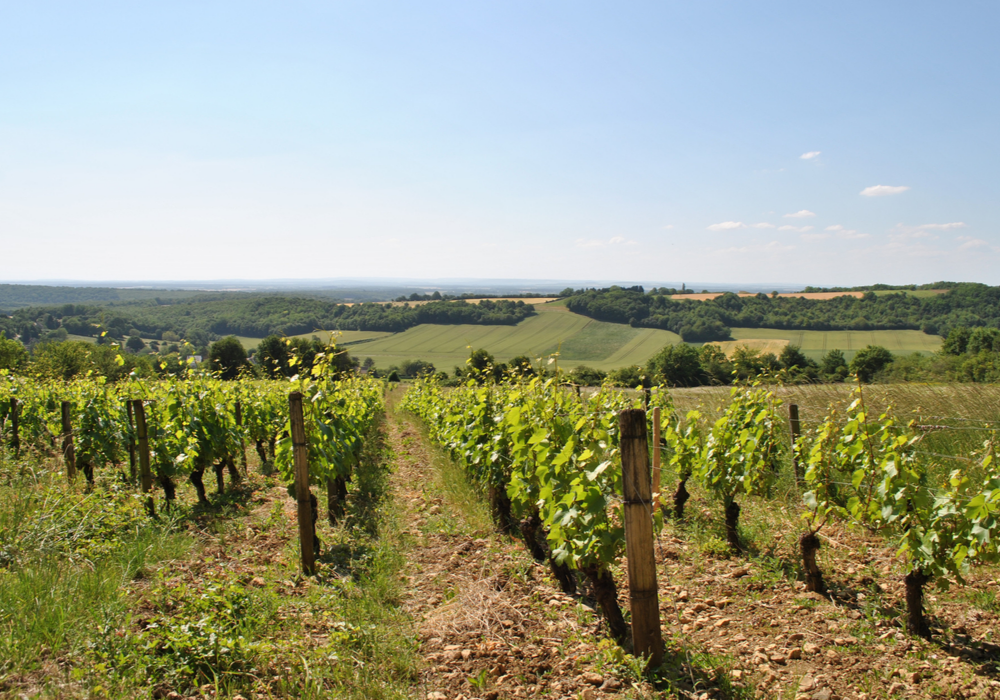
(19, 296)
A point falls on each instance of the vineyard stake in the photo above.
(643, 595)
(15, 427)
(300, 452)
(796, 425)
(656, 454)
(130, 410)
(69, 454)
(243, 442)
(142, 434)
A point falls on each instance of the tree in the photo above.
(13, 356)
(416, 368)
(483, 367)
(797, 365)
(869, 361)
(677, 365)
(717, 366)
(587, 376)
(834, 366)
(521, 366)
(956, 342)
(272, 357)
(76, 358)
(628, 377)
(227, 358)
(134, 343)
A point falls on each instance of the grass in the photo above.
(343, 337)
(99, 600)
(581, 340)
(67, 561)
(450, 482)
(578, 339)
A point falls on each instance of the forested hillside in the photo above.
(209, 316)
(964, 305)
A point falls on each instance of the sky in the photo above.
(828, 143)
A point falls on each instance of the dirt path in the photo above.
(491, 624)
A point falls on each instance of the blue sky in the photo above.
(812, 143)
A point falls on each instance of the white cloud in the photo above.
(668, 227)
(942, 227)
(727, 226)
(803, 214)
(882, 190)
(849, 233)
(974, 243)
(814, 236)
(588, 243)
(797, 229)
(762, 224)
(810, 155)
(617, 239)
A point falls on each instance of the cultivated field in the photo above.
(762, 346)
(581, 340)
(815, 344)
(342, 337)
(578, 339)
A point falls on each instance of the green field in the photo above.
(815, 344)
(579, 340)
(343, 337)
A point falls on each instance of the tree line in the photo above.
(209, 317)
(276, 357)
(965, 304)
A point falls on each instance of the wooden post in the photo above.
(300, 453)
(796, 425)
(141, 433)
(243, 442)
(656, 455)
(644, 598)
(130, 410)
(69, 453)
(15, 422)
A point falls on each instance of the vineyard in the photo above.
(722, 544)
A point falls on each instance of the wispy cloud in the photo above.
(762, 224)
(772, 247)
(972, 243)
(883, 190)
(727, 226)
(810, 155)
(668, 227)
(815, 236)
(595, 243)
(942, 227)
(797, 229)
(848, 233)
(801, 214)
